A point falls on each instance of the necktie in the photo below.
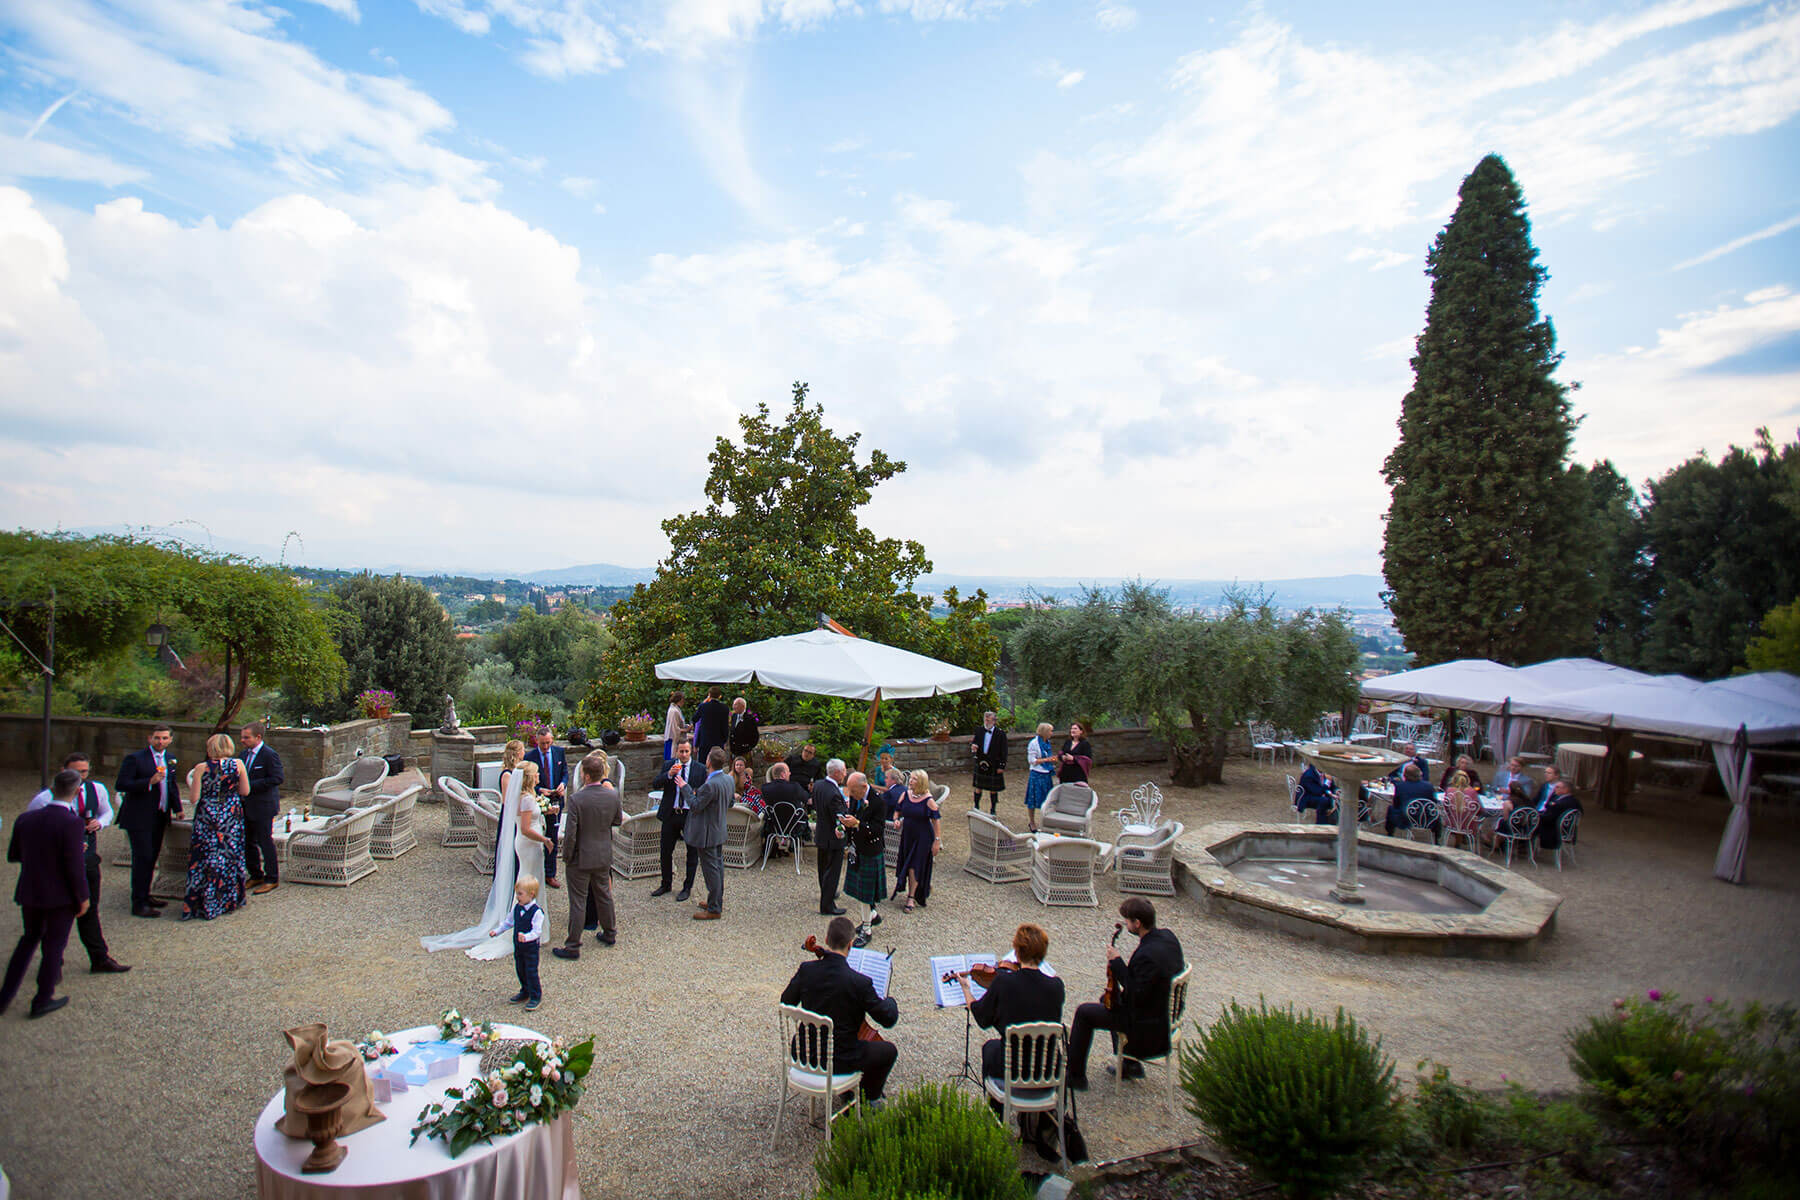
(162, 789)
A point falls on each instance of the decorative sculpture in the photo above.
(318, 1062)
(323, 1104)
(450, 724)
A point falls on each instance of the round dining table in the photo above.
(538, 1161)
(1580, 762)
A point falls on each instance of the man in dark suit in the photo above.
(52, 892)
(805, 767)
(149, 794)
(711, 724)
(1317, 791)
(744, 732)
(828, 806)
(1141, 1011)
(1412, 786)
(681, 780)
(260, 809)
(90, 804)
(832, 988)
(1552, 777)
(989, 748)
(552, 785)
(704, 831)
(1562, 800)
(779, 795)
(590, 816)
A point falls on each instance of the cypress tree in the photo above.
(1484, 549)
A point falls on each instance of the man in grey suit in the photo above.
(588, 820)
(705, 831)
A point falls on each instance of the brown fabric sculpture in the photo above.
(317, 1060)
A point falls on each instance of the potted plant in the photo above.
(940, 729)
(375, 703)
(636, 726)
(773, 750)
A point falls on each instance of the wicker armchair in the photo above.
(337, 856)
(393, 834)
(1145, 862)
(1062, 871)
(637, 846)
(996, 853)
(462, 797)
(353, 787)
(487, 835)
(743, 837)
(1069, 808)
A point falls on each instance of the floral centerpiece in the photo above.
(375, 702)
(940, 729)
(528, 729)
(542, 1082)
(475, 1035)
(773, 750)
(375, 1045)
(634, 727)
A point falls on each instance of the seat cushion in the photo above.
(1022, 1097)
(815, 1080)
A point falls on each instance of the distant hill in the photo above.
(1359, 593)
(592, 574)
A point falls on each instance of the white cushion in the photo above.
(815, 1081)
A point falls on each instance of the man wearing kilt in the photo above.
(989, 748)
(865, 879)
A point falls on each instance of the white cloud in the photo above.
(1069, 79)
(580, 186)
(1115, 17)
(42, 158)
(847, 145)
(344, 8)
(1704, 339)
(1749, 239)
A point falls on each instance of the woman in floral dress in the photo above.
(216, 872)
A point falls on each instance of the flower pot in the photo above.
(633, 735)
(940, 737)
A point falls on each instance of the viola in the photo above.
(868, 1032)
(1110, 997)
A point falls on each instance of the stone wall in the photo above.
(307, 754)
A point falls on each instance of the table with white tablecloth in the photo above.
(539, 1161)
(1580, 763)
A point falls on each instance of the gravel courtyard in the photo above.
(146, 1084)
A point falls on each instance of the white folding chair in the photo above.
(1036, 1059)
(806, 1068)
(1170, 1061)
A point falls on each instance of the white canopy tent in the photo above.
(824, 662)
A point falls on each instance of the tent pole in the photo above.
(869, 731)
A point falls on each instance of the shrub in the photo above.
(1452, 1115)
(928, 1141)
(837, 726)
(1302, 1100)
(1718, 1081)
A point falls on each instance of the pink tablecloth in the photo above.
(539, 1162)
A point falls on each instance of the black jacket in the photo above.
(804, 773)
(266, 778)
(696, 775)
(709, 726)
(1018, 998)
(828, 804)
(1144, 991)
(136, 797)
(831, 987)
(744, 734)
(996, 755)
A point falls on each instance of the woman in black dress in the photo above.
(920, 840)
(1077, 757)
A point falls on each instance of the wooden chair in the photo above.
(996, 853)
(637, 846)
(337, 856)
(393, 833)
(353, 787)
(1069, 808)
(806, 1068)
(1062, 871)
(1035, 1063)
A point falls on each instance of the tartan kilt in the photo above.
(988, 781)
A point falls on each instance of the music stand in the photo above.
(967, 1072)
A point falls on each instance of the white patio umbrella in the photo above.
(826, 663)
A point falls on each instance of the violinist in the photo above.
(829, 986)
(1017, 997)
(1139, 995)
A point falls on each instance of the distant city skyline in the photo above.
(1130, 286)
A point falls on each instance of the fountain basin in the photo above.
(1231, 867)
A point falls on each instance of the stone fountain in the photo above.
(1352, 766)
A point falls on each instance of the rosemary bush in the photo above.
(929, 1141)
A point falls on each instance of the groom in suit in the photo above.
(553, 785)
(48, 845)
(260, 807)
(149, 794)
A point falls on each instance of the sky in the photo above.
(1131, 287)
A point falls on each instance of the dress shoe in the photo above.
(1132, 1070)
(254, 880)
(1077, 1082)
(564, 952)
(48, 1006)
(833, 911)
(185, 915)
(155, 903)
(664, 890)
(683, 895)
(108, 966)
(144, 910)
(707, 914)
(263, 888)
(608, 939)
(874, 920)
(518, 997)
(553, 883)
(530, 1005)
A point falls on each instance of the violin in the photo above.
(983, 973)
(868, 1032)
(1110, 997)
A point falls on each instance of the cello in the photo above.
(868, 1032)
(1110, 997)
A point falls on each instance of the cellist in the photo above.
(831, 987)
(1140, 1009)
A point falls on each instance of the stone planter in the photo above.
(632, 735)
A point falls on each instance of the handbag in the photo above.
(1075, 1148)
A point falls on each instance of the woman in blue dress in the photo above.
(920, 840)
(1042, 774)
(216, 874)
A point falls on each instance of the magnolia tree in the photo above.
(1190, 676)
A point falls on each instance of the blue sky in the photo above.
(1130, 286)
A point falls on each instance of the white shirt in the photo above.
(535, 933)
(106, 813)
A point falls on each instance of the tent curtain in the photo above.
(1733, 759)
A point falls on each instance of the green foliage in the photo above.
(1192, 676)
(560, 654)
(265, 625)
(393, 634)
(1778, 649)
(1716, 535)
(494, 693)
(107, 593)
(1302, 1100)
(481, 612)
(837, 726)
(778, 543)
(931, 1140)
(1616, 562)
(1722, 1083)
(1453, 1115)
(1488, 533)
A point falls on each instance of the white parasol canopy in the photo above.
(825, 663)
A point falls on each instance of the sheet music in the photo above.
(1012, 956)
(950, 995)
(877, 967)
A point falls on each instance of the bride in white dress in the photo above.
(530, 841)
(516, 793)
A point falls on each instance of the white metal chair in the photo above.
(637, 846)
(1422, 814)
(742, 827)
(336, 856)
(1263, 741)
(1519, 828)
(393, 833)
(1365, 731)
(353, 787)
(786, 822)
(1462, 818)
(1145, 862)
(1568, 828)
(1035, 1062)
(806, 1068)
(1171, 1061)
(1293, 793)
(1145, 807)
(996, 853)
(1062, 871)
(1069, 808)
(461, 829)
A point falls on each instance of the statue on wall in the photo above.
(450, 724)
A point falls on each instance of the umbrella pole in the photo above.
(869, 730)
